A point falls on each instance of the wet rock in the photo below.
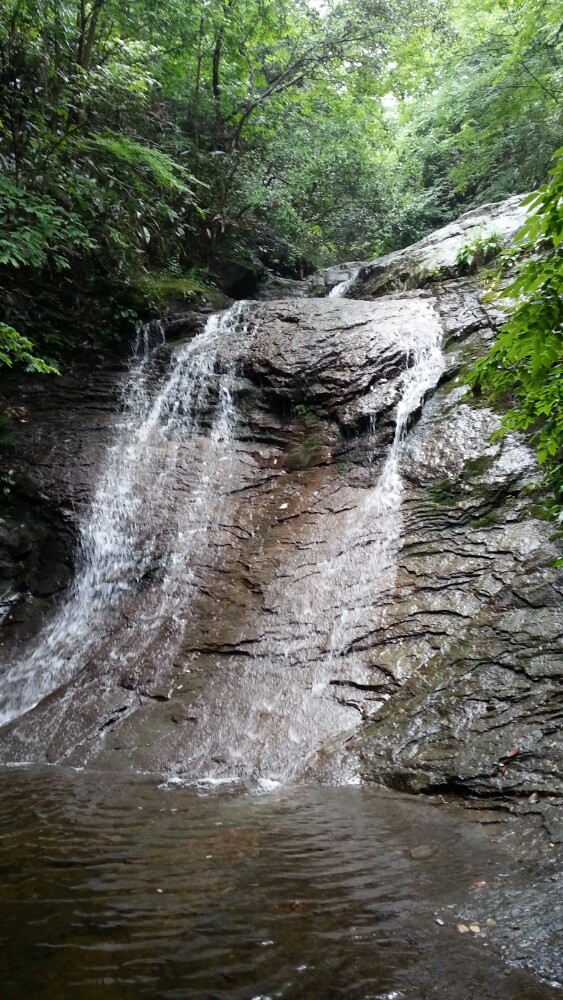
(15, 539)
(59, 433)
(480, 620)
(36, 564)
(333, 358)
(316, 285)
(434, 257)
(316, 632)
(445, 618)
(273, 287)
(422, 853)
(339, 275)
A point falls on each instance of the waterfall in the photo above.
(286, 703)
(120, 538)
(159, 557)
(342, 288)
(382, 505)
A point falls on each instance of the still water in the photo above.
(114, 887)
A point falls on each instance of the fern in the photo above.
(16, 349)
(146, 161)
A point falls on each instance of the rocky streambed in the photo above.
(287, 551)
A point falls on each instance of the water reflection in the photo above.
(114, 887)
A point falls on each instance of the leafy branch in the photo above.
(525, 365)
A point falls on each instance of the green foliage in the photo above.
(36, 231)
(142, 137)
(505, 262)
(436, 274)
(15, 349)
(143, 164)
(305, 413)
(477, 109)
(525, 364)
(159, 136)
(8, 482)
(193, 288)
(303, 454)
(474, 255)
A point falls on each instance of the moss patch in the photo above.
(169, 293)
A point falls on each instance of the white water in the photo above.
(340, 291)
(119, 540)
(289, 701)
(166, 483)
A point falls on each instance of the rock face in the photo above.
(432, 258)
(435, 255)
(58, 433)
(316, 285)
(301, 535)
(477, 613)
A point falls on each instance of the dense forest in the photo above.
(145, 145)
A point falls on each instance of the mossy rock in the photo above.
(171, 294)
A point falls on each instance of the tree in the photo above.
(144, 138)
(479, 108)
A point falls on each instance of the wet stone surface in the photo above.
(305, 609)
(269, 536)
(271, 600)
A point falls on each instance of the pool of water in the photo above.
(121, 888)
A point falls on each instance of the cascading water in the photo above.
(120, 538)
(343, 287)
(284, 705)
(382, 505)
(160, 559)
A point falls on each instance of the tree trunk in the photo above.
(216, 76)
(196, 95)
(87, 30)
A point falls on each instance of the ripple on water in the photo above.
(118, 888)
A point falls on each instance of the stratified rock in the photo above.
(334, 358)
(476, 623)
(429, 631)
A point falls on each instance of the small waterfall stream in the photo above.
(270, 718)
(120, 536)
(165, 486)
(343, 287)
